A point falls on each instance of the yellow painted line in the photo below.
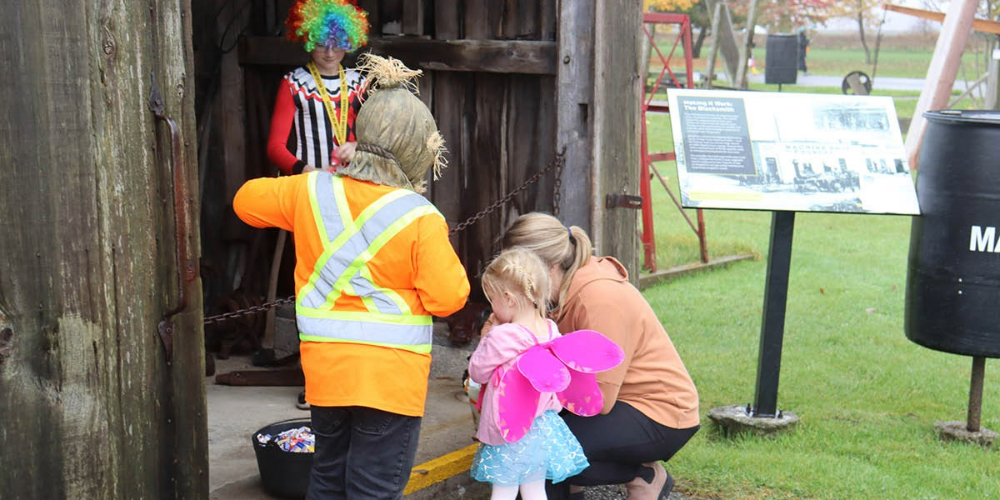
(441, 468)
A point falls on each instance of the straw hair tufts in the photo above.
(435, 142)
(387, 73)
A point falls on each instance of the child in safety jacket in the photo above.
(373, 265)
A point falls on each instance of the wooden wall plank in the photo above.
(616, 128)
(487, 157)
(488, 56)
(232, 115)
(449, 110)
(509, 26)
(446, 20)
(574, 100)
(548, 20)
(391, 16)
(374, 23)
(425, 88)
(521, 20)
(941, 73)
(449, 105)
(90, 406)
(487, 160)
(413, 17)
(531, 143)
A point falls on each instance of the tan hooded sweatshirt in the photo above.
(652, 378)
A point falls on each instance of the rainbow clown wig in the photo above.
(337, 24)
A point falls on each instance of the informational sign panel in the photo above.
(794, 152)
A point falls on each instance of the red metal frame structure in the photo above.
(648, 236)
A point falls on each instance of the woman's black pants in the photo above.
(617, 444)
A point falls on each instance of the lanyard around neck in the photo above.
(339, 125)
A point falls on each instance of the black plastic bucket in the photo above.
(284, 474)
(953, 277)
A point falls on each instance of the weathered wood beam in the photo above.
(713, 50)
(488, 56)
(942, 71)
(727, 42)
(993, 81)
(91, 405)
(980, 25)
(413, 17)
(574, 94)
(745, 47)
(616, 111)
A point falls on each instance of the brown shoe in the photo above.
(659, 489)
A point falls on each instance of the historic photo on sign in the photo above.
(796, 152)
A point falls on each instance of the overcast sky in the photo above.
(894, 21)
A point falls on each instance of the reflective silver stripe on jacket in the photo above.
(364, 331)
(355, 245)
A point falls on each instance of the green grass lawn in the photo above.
(891, 62)
(867, 396)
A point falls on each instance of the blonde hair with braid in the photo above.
(547, 237)
(523, 274)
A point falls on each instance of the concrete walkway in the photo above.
(235, 413)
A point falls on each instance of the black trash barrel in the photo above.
(953, 277)
(782, 61)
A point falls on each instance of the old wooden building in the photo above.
(510, 82)
(131, 124)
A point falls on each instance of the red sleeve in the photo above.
(281, 125)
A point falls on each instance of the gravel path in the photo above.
(617, 492)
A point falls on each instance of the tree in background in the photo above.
(867, 13)
(667, 5)
(695, 9)
(784, 16)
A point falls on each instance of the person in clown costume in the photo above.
(322, 114)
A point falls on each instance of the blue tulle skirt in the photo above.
(548, 451)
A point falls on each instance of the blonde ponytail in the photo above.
(551, 241)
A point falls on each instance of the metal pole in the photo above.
(772, 327)
(702, 240)
(976, 393)
(648, 235)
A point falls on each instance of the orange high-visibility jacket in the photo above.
(373, 263)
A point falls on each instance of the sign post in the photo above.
(784, 154)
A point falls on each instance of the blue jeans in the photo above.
(361, 453)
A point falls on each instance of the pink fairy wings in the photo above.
(565, 366)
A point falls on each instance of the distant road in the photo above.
(881, 82)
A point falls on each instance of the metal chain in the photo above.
(557, 185)
(219, 318)
(557, 163)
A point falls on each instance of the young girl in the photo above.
(524, 359)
